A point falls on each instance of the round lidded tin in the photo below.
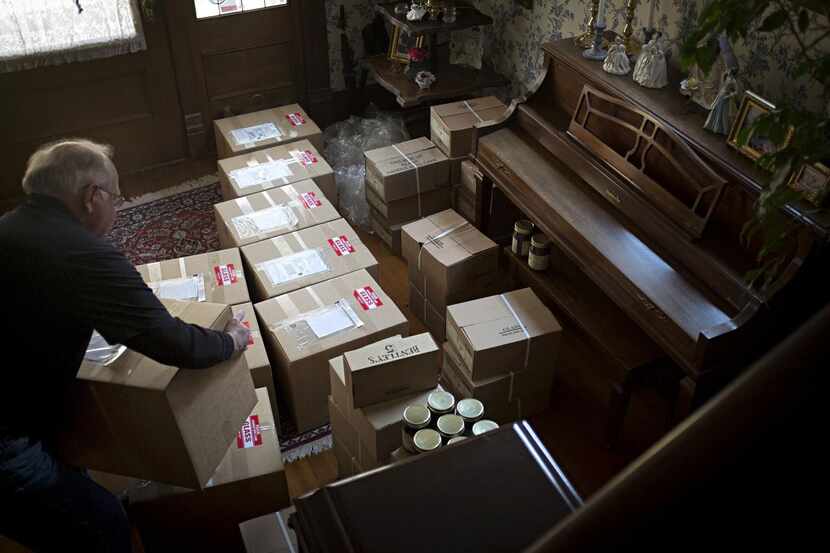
(471, 410)
(483, 426)
(427, 440)
(415, 417)
(450, 426)
(522, 229)
(440, 403)
(539, 257)
(456, 440)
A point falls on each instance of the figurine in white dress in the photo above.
(725, 107)
(616, 62)
(650, 70)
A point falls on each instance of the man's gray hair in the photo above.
(67, 166)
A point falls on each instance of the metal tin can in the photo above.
(471, 410)
(450, 426)
(440, 403)
(415, 417)
(456, 440)
(483, 426)
(522, 229)
(539, 256)
(427, 440)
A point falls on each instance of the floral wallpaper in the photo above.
(511, 44)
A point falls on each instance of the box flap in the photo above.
(459, 115)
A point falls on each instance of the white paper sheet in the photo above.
(264, 221)
(329, 321)
(257, 133)
(294, 266)
(263, 173)
(187, 289)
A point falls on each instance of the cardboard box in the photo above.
(347, 465)
(390, 234)
(385, 371)
(272, 213)
(506, 397)
(257, 357)
(464, 204)
(268, 534)
(397, 212)
(293, 261)
(406, 169)
(445, 254)
(470, 178)
(249, 482)
(136, 417)
(492, 334)
(215, 277)
(428, 314)
(337, 379)
(308, 327)
(249, 132)
(343, 433)
(274, 167)
(454, 126)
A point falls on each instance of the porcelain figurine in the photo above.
(417, 13)
(424, 80)
(725, 106)
(650, 70)
(616, 62)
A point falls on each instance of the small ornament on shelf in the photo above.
(597, 50)
(617, 62)
(725, 107)
(424, 80)
(416, 12)
(418, 61)
(650, 70)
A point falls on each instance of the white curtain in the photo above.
(34, 33)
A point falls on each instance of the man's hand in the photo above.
(240, 333)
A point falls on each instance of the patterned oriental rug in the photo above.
(178, 222)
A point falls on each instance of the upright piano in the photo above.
(641, 201)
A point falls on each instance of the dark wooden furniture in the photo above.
(497, 492)
(647, 206)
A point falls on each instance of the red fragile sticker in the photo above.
(305, 158)
(250, 435)
(250, 336)
(296, 119)
(341, 245)
(367, 298)
(225, 274)
(310, 200)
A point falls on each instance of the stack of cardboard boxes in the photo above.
(405, 182)
(449, 261)
(370, 388)
(502, 351)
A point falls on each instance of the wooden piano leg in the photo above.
(618, 407)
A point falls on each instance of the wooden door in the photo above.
(130, 101)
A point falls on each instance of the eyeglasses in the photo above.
(117, 199)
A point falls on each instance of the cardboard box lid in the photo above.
(135, 370)
(446, 236)
(256, 356)
(277, 211)
(213, 276)
(291, 120)
(307, 256)
(275, 166)
(462, 115)
(389, 161)
(338, 369)
(389, 413)
(490, 322)
(329, 314)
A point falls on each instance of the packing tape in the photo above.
(216, 292)
(290, 191)
(434, 239)
(252, 163)
(417, 177)
(282, 246)
(300, 241)
(522, 325)
(285, 163)
(182, 268)
(315, 297)
(244, 205)
(469, 107)
(154, 271)
(288, 306)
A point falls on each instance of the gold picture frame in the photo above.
(813, 181)
(401, 43)
(752, 106)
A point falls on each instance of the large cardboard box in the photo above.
(268, 534)
(215, 277)
(433, 318)
(454, 127)
(307, 327)
(274, 167)
(398, 212)
(249, 482)
(272, 213)
(257, 357)
(390, 234)
(382, 372)
(507, 397)
(136, 417)
(445, 254)
(406, 169)
(492, 334)
(293, 261)
(337, 380)
(249, 132)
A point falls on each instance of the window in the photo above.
(213, 8)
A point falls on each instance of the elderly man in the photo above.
(61, 279)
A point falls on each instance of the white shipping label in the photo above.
(336, 318)
(264, 221)
(257, 133)
(186, 289)
(263, 173)
(294, 266)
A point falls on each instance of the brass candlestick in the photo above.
(632, 45)
(586, 39)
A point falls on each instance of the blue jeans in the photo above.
(47, 506)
